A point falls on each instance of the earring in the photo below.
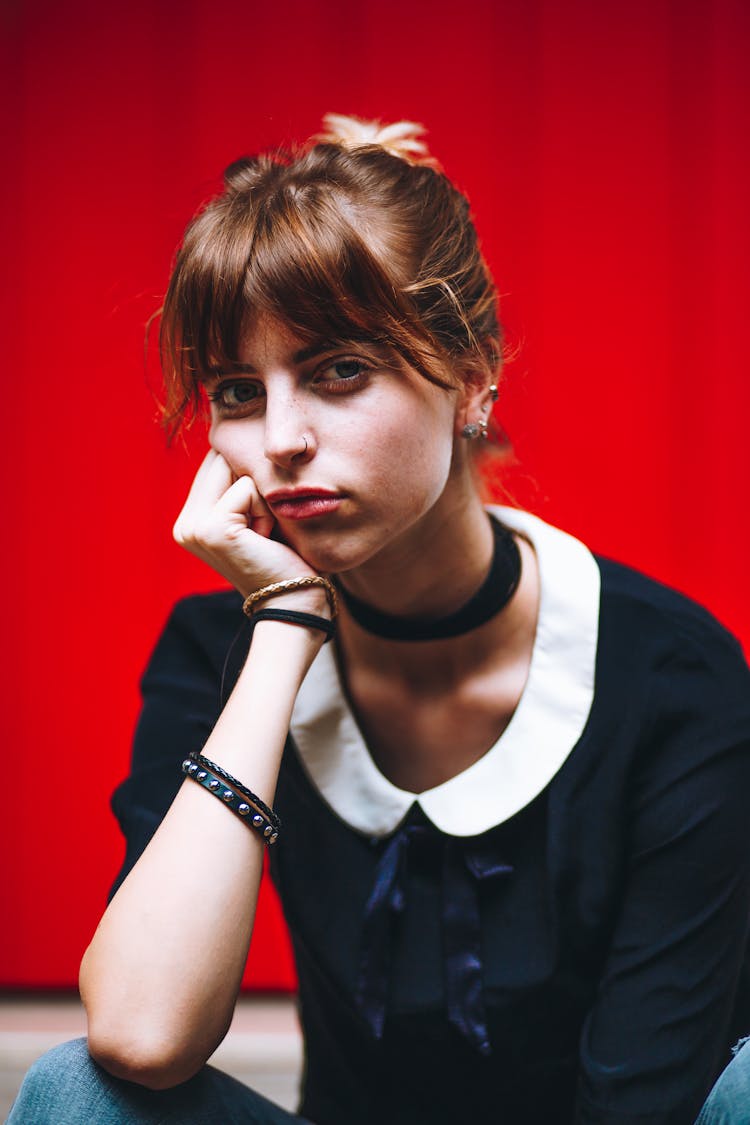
(494, 393)
(474, 430)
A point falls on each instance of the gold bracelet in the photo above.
(291, 584)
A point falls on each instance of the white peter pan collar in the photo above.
(544, 728)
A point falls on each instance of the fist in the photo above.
(226, 524)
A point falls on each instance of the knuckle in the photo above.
(209, 535)
(187, 533)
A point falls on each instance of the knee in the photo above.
(729, 1101)
(52, 1081)
(61, 1061)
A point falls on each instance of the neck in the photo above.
(433, 570)
(490, 598)
(405, 581)
(437, 666)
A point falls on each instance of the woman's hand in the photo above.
(226, 524)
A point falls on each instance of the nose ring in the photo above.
(304, 451)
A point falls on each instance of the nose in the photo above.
(288, 437)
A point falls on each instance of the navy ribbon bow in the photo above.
(466, 863)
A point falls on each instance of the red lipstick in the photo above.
(302, 503)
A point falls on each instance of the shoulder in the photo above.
(673, 694)
(648, 626)
(576, 582)
(665, 611)
(625, 663)
(214, 611)
(201, 631)
(614, 640)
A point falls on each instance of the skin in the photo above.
(344, 420)
(388, 445)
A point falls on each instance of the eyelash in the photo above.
(216, 396)
(346, 385)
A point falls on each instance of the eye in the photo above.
(344, 374)
(235, 395)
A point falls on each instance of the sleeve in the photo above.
(658, 1033)
(182, 691)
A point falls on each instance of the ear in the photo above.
(474, 402)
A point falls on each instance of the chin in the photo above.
(334, 554)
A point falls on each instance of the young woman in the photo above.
(511, 789)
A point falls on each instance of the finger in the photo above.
(240, 496)
(262, 520)
(264, 523)
(210, 482)
(243, 499)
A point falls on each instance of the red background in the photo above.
(605, 151)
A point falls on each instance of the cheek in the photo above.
(236, 444)
(412, 462)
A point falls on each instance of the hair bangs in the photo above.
(349, 244)
(312, 269)
(204, 310)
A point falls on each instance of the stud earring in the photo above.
(474, 430)
(494, 393)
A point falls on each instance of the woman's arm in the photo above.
(162, 973)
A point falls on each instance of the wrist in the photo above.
(291, 648)
(313, 599)
(312, 593)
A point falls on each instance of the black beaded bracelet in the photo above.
(254, 799)
(243, 809)
(294, 617)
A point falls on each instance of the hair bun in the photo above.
(400, 139)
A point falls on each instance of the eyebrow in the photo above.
(314, 349)
(310, 352)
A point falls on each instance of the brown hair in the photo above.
(346, 241)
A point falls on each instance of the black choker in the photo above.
(492, 596)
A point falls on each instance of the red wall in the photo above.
(604, 147)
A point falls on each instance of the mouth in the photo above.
(302, 503)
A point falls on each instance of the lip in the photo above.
(302, 503)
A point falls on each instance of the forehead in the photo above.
(268, 340)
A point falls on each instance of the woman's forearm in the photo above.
(160, 978)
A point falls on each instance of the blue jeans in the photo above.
(65, 1087)
(729, 1101)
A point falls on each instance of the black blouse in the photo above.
(558, 934)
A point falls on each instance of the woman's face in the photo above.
(350, 449)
